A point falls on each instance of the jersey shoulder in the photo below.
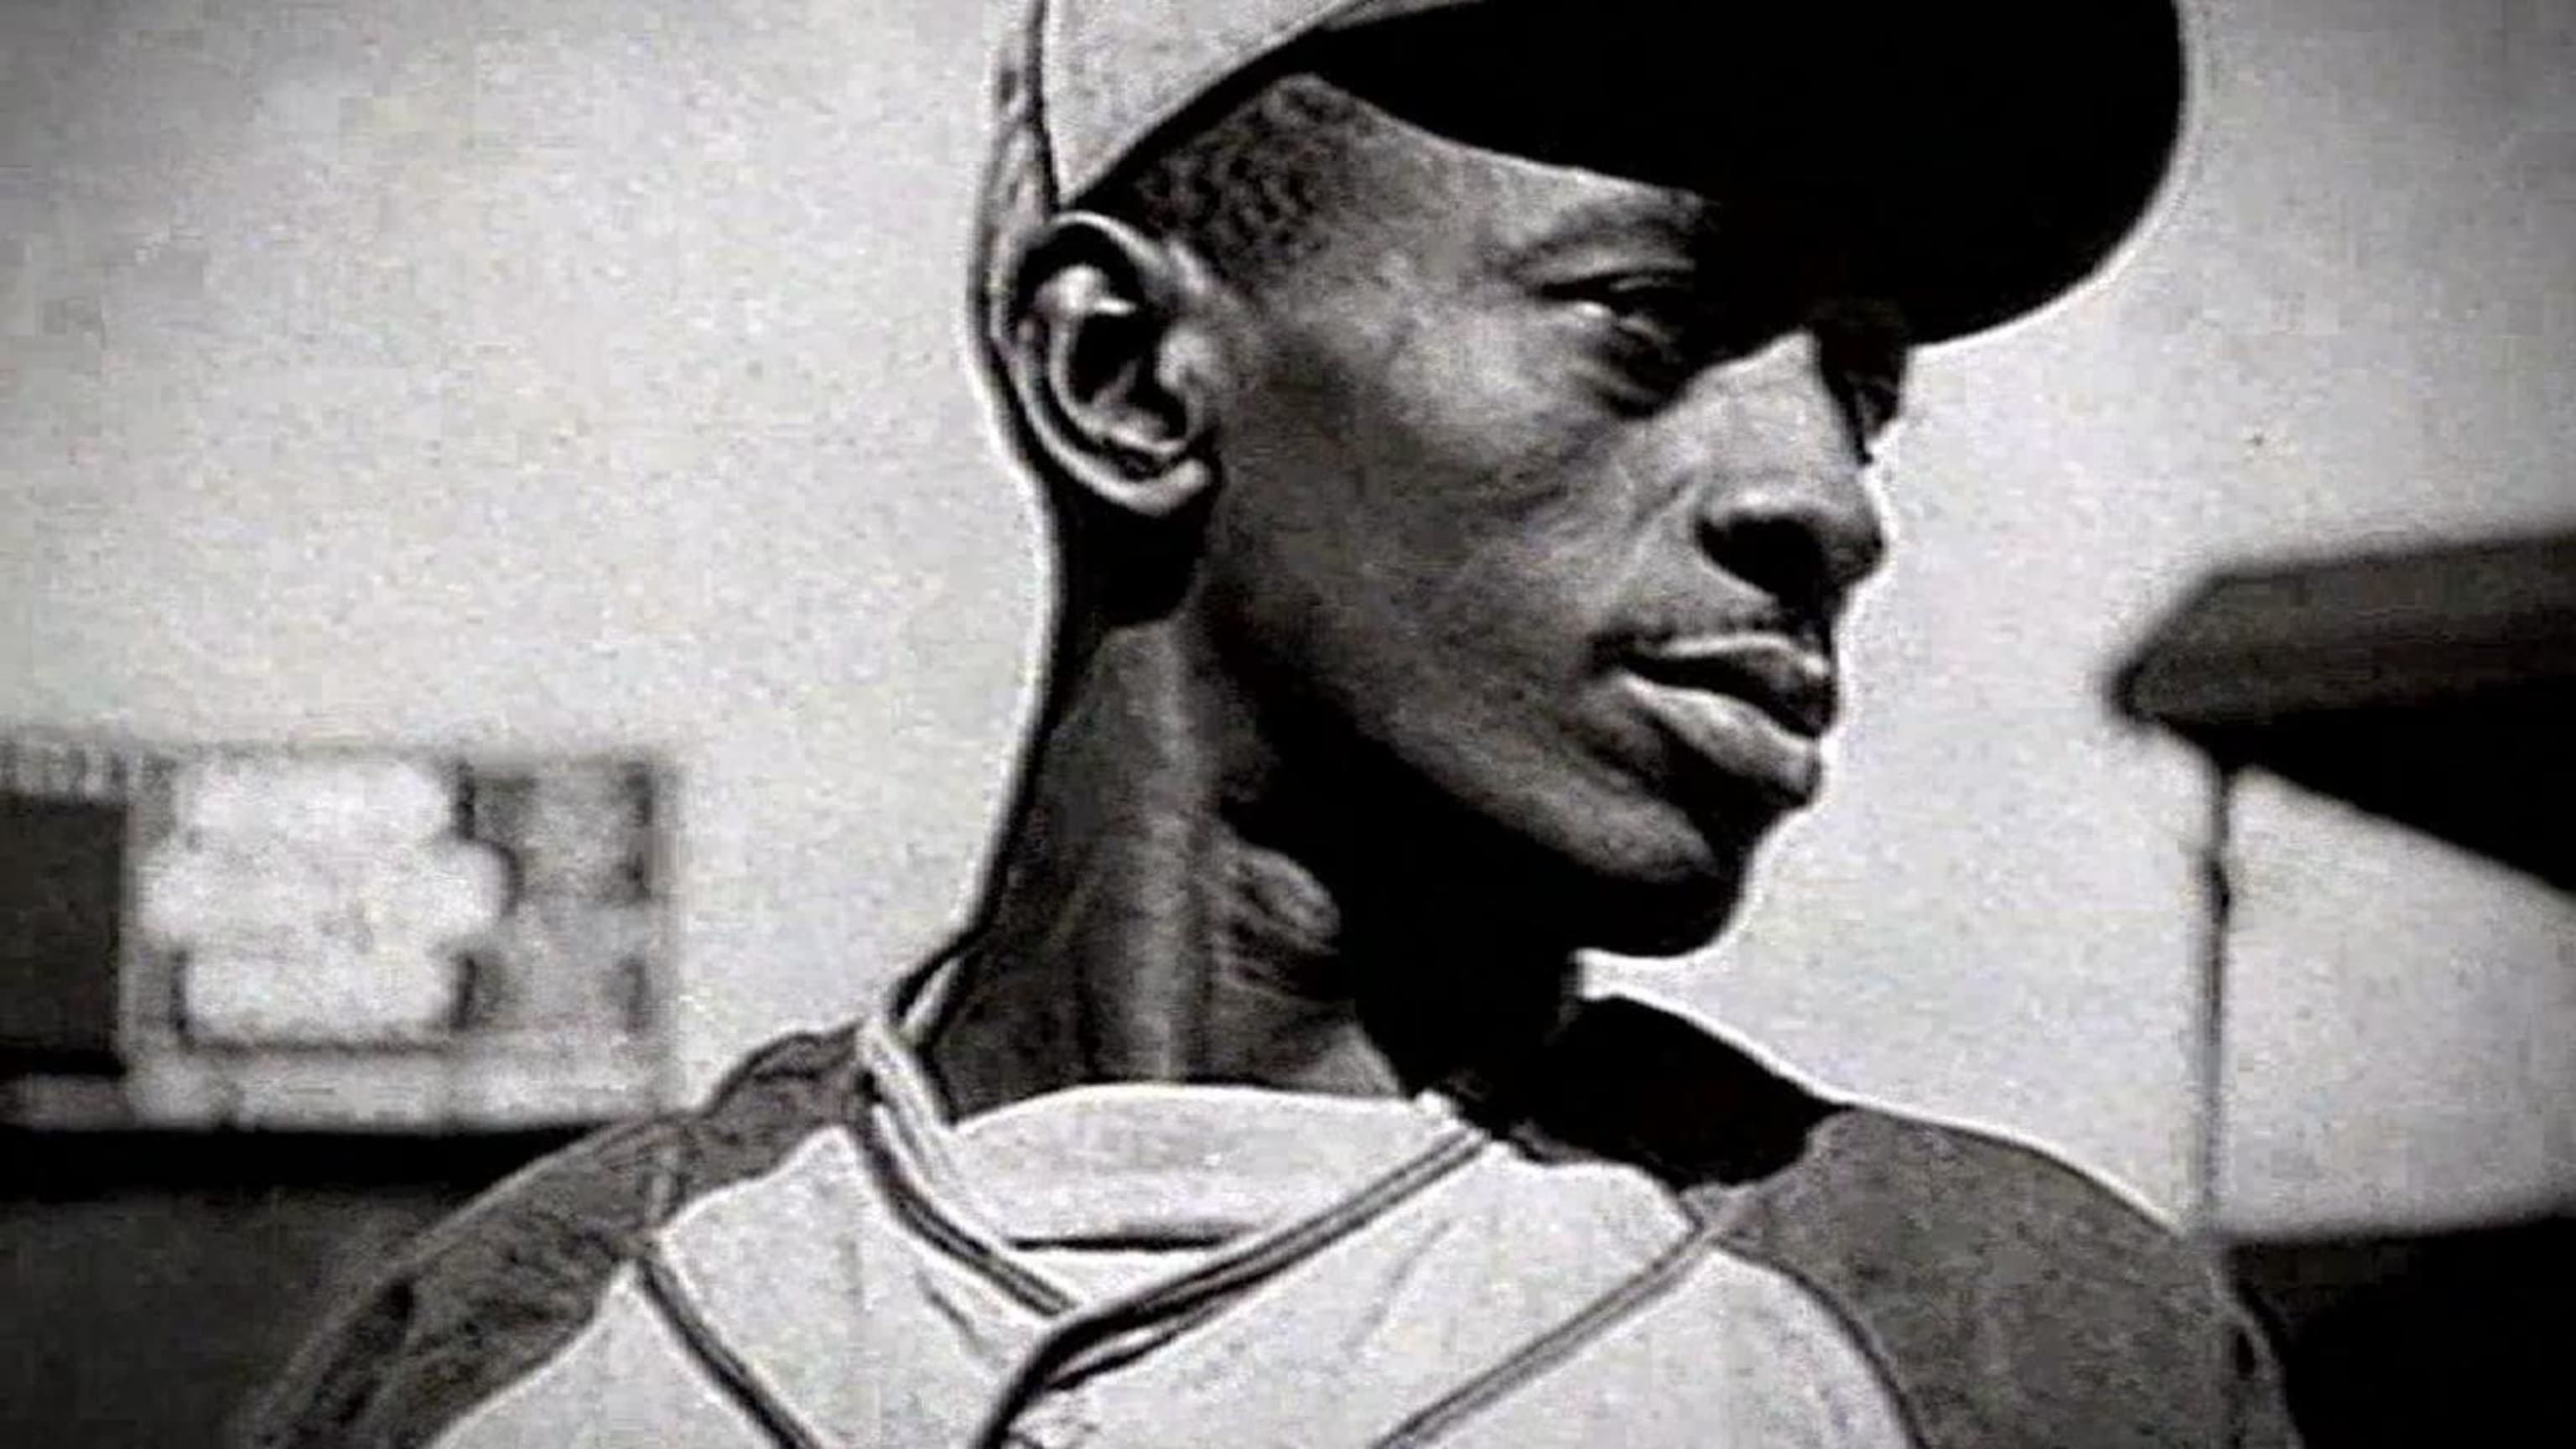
(496, 1290)
(2012, 1299)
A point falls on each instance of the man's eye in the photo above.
(1649, 326)
(1648, 311)
(1654, 311)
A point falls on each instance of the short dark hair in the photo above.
(1251, 189)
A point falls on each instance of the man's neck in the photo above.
(1137, 928)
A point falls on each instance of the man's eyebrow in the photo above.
(1689, 224)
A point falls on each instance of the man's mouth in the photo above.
(1749, 707)
(1787, 681)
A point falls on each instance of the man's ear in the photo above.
(1111, 363)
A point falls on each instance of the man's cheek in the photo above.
(1508, 622)
(1487, 408)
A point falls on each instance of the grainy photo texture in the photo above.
(801, 724)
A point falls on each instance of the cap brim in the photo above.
(1970, 161)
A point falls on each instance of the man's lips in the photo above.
(1748, 707)
(1784, 679)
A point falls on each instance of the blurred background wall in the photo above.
(587, 374)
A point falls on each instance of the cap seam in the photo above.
(1196, 88)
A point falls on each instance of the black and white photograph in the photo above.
(1287, 724)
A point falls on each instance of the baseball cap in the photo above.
(1975, 159)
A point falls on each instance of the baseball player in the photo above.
(1455, 420)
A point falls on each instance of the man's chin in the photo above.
(1664, 932)
(1659, 914)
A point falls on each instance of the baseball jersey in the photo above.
(1664, 1243)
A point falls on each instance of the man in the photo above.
(1455, 419)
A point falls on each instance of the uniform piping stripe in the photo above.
(1059, 1359)
(1554, 1347)
(923, 1216)
(891, 1096)
(1220, 1279)
(741, 1383)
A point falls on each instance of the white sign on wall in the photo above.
(326, 936)
(326, 900)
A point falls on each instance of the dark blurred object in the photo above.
(2451, 1338)
(2437, 688)
(62, 883)
(151, 1281)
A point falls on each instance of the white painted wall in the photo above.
(2404, 1044)
(590, 371)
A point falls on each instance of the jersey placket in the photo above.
(1094, 1340)
(1041, 1404)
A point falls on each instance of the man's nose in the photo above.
(1784, 503)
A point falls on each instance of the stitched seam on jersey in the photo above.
(1208, 1290)
(885, 1130)
(1058, 1360)
(1899, 1393)
(1551, 1349)
(741, 1383)
(924, 1217)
